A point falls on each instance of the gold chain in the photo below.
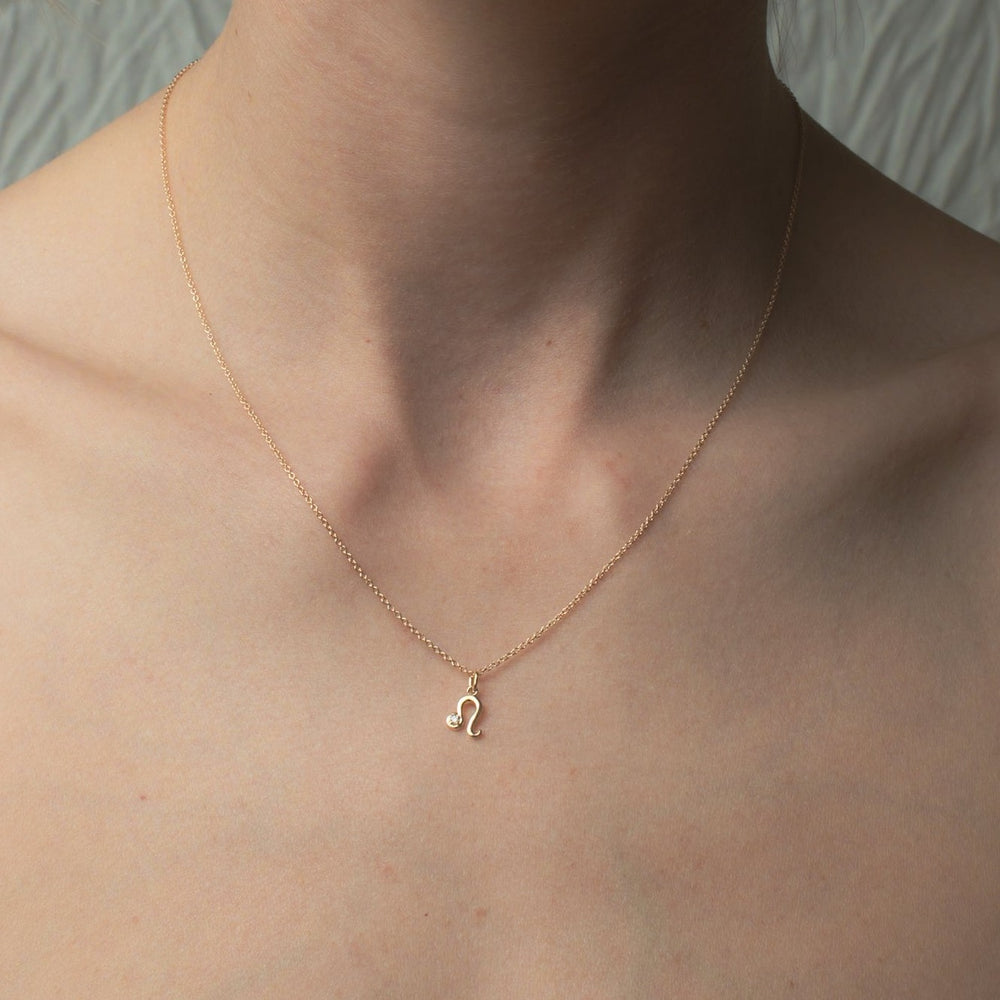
(524, 644)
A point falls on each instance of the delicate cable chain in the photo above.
(331, 531)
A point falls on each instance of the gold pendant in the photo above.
(455, 720)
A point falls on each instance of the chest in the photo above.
(759, 760)
(721, 788)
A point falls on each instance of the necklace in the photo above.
(469, 702)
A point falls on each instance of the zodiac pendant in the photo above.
(455, 720)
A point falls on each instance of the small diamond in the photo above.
(454, 720)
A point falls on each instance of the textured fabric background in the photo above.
(911, 85)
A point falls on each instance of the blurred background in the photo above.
(913, 86)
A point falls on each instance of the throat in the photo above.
(472, 176)
(506, 298)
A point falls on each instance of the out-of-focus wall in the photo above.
(913, 86)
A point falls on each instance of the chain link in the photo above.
(530, 640)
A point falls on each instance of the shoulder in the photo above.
(89, 363)
(91, 297)
(79, 238)
(890, 340)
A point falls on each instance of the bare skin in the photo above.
(759, 761)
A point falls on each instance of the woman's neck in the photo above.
(456, 188)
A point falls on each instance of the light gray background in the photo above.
(911, 85)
